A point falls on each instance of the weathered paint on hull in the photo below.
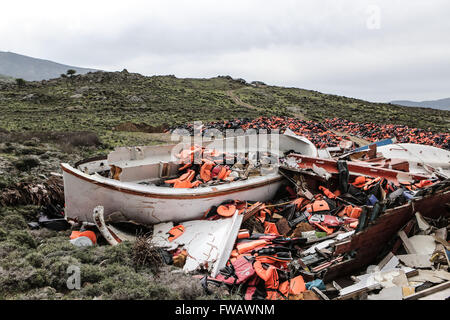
(82, 195)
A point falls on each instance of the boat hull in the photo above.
(84, 192)
(369, 243)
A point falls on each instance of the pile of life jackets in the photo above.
(260, 264)
(200, 165)
(322, 135)
(404, 134)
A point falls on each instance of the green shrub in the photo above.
(27, 163)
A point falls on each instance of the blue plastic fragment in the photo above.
(408, 195)
(318, 283)
(372, 200)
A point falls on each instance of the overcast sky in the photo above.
(375, 50)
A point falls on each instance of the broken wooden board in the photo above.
(440, 295)
(421, 223)
(320, 293)
(406, 230)
(406, 242)
(385, 260)
(434, 276)
(429, 291)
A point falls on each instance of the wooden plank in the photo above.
(406, 243)
(320, 293)
(252, 210)
(407, 230)
(428, 291)
(366, 288)
(342, 247)
(441, 295)
(385, 260)
(336, 285)
(359, 291)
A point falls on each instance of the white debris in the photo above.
(416, 260)
(391, 293)
(423, 244)
(321, 172)
(208, 242)
(82, 242)
(320, 245)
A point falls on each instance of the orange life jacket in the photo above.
(205, 171)
(250, 245)
(226, 210)
(317, 206)
(327, 192)
(175, 232)
(243, 234)
(90, 234)
(270, 227)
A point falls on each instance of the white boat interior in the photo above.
(150, 164)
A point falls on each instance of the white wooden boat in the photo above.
(422, 159)
(85, 188)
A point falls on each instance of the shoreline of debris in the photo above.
(282, 249)
(322, 134)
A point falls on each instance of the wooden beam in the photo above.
(406, 243)
(385, 260)
(320, 293)
(428, 291)
(368, 288)
(359, 291)
(336, 286)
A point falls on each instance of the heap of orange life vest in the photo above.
(268, 255)
(323, 135)
(208, 165)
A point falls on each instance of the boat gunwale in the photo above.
(194, 194)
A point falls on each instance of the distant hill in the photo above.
(442, 104)
(33, 69)
(6, 78)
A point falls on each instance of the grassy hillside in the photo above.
(45, 123)
(101, 102)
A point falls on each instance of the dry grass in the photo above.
(145, 254)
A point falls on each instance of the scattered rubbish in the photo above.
(52, 217)
(416, 260)
(422, 244)
(82, 241)
(87, 234)
(406, 276)
(208, 243)
(283, 231)
(323, 134)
